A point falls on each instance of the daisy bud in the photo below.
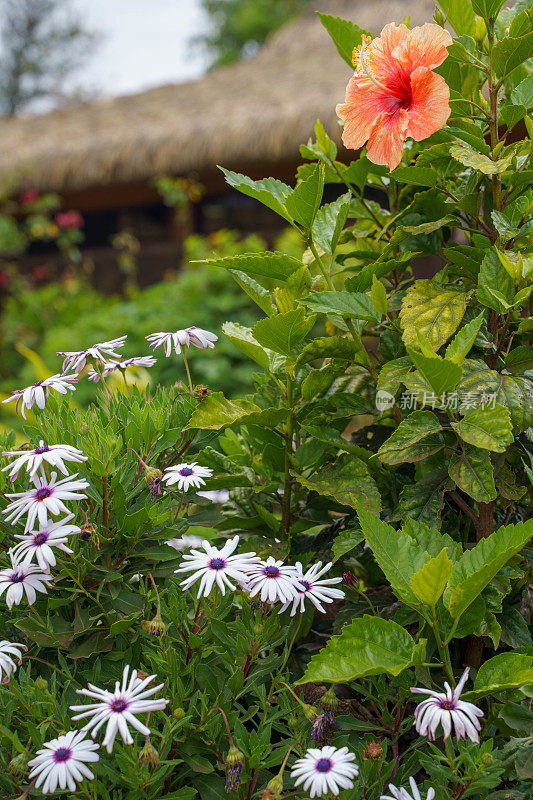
(293, 723)
(41, 685)
(142, 675)
(149, 755)
(201, 391)
(18, 766)
(178, 713)
(310, 712)
(87, 533)
(155, 627)
(151, 474)
(373, 751)
(257, 629)
(273, 789)
(329, 700)
(349, 578)
(487, 759)
(234, 762)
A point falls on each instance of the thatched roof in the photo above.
(259, 109)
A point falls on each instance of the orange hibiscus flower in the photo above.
(393, 93)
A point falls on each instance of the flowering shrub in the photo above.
(323, 588)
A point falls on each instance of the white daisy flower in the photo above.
(54, 454)
(216, 566)
(272, 580)
(61, 762)
(216, 495)
(112, 366)
(40, 543)
(76, 359)
(187, 475)
(8, 652)
(311, 586)
(118, 708)
(38, 392)
(47, 498)
(187, 540)
(20, 578)
(182, 338)
(325, 770)
(403, 794)
(446, 708)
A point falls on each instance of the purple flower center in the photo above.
(306, 585)
(323, 765)
(186, 471)
(42, 494)
(271, 572)
(40, 450)
(39, 383)
(217, 563)
(447, 705)
(62, 754)
(40, 538)
(119, 705)
(17, 577)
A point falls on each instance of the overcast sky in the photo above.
(145, 43)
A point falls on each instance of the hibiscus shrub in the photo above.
(351, 612)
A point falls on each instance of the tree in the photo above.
(239, 27)
(42, 43)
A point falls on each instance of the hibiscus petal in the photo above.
(429, 108)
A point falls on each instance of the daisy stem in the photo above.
(21, 700)
(280, 670)
(217, 708)
(187, 370)
(28, 788)
(59, 671)
(449, 752)
(156, 594)
(287, 485)
(126, 382)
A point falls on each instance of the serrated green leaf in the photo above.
(488, 427)
(522, 94)
(304, 202)
(340, 347)
(520, 359)
(269, 264)
(472, 471)
(345, 543)
(419, 176)
(378, 295)
(463, 340)
(431, 539)
(392, 373)
(348, 482)
(429, 582)
(216, 412)
(434, 310)
(254, 290)
(345, 34)
(412, 429)
(283, 332)
(488, 9)
(243, 338)
(351, 305)
(329, 222)
(466, 155)
(460, 16)
(510, 52)
(500, 673)
(368, 646)
(269, 191)
(398, 555)
(478, 566)
(440, 375)
(514, 392)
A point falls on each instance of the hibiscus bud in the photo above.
(273, 789)
(439, 17)
(178, 713)
(18, 765)
(374, 750)
(234, 762)
(310, 712)
(149, 755)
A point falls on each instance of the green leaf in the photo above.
(423, 500)
(471, 469)
(488, 9)
(304, 202)
(243, 338)
(345, 543)
(466, 155)
(520, 359)
(340, 347)
(510, 52)
(513, 392)
(216, 412)
(345, 34)
(486, 427)
(378, 295)
(398, 555)
(412, 429)
(442, 376)
(478, 566)
(254, 290)
(353, 305)
(419, 176)
(500, 673)
(368, 646)
(434, 310)
(348, 482)
(431, 539)
(523, 93)
(269, 191)
(430, 581)
(329, 222)
(460, 15)
(392, 373)
(463, 340)
(269, 265)
(283, 332)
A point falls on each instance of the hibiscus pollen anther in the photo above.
(363, 58)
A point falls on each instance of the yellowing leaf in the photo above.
(434, 310)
